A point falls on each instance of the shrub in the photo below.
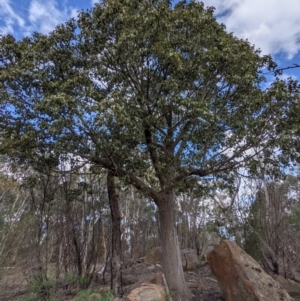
(91, 295)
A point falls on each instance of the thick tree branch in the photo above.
(122, 173)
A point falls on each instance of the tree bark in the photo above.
(116, 260)
(171, 258)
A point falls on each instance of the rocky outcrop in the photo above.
(139, 273)
(241, 277)
(290, 286)
(188, 257)
(157, 279)
(154, 256)
(147, 292)
(129, 279)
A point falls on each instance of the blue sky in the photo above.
(272, 25)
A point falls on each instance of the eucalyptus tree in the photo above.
(158, 94)
(272, 236)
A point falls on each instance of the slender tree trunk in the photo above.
(136, 230)
(77, 253)
(116, 260)
(171, 258)
(78, 260)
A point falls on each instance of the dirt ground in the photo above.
(202, 283)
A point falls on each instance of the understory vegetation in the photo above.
(55, 229)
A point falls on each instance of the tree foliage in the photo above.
(139, 85)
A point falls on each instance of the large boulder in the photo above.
(157, 279)
(129, 279)
(154, 256)
(189, 258)
(147, 292)
(290, 286)
(140, 273)
(241, 277)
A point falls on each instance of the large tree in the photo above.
(158, 94)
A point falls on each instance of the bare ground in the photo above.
(202, 283)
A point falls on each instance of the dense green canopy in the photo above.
(142, 85)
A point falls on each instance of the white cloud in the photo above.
(273, 25)
(45, 16)
(95, 1)
(9, 17)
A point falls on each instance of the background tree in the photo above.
(139, 86)
(272, 237)
(53, 228)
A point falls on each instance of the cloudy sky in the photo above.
(272, 25)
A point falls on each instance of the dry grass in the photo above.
(12, 283)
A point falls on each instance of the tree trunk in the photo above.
(135, 249)
(116, 270)
(171, 258)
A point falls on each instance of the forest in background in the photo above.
(55, 228)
